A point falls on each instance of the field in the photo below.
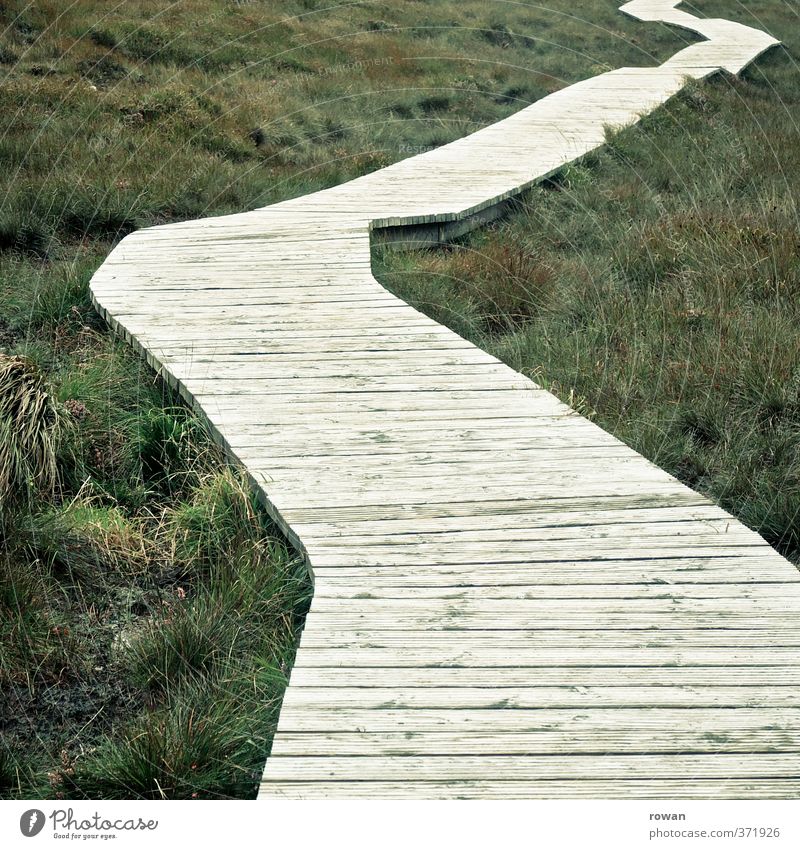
(149, 609)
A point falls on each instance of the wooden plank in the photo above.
(534, 767)
(622, 740)
(664, 571)
(343, 589)
(524, 646)
(554, 676)
(581, 506)
(373, 651)
(595, 521)
(488, 698)
(467, 624)
(757, 788)
(538, 608)
(583, 722)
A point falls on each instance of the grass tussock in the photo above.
(31, 425)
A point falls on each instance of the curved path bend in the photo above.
(509, 602)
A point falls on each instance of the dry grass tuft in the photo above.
(31, 424)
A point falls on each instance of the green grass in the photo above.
(148, 608)
(127, 115)
(655, 286)
(172, 627)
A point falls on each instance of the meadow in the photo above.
(149, 609)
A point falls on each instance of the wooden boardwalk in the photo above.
(509, 602)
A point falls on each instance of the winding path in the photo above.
(509, 602)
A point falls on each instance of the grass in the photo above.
(655, 286)
(149, 608)
(172, 627)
